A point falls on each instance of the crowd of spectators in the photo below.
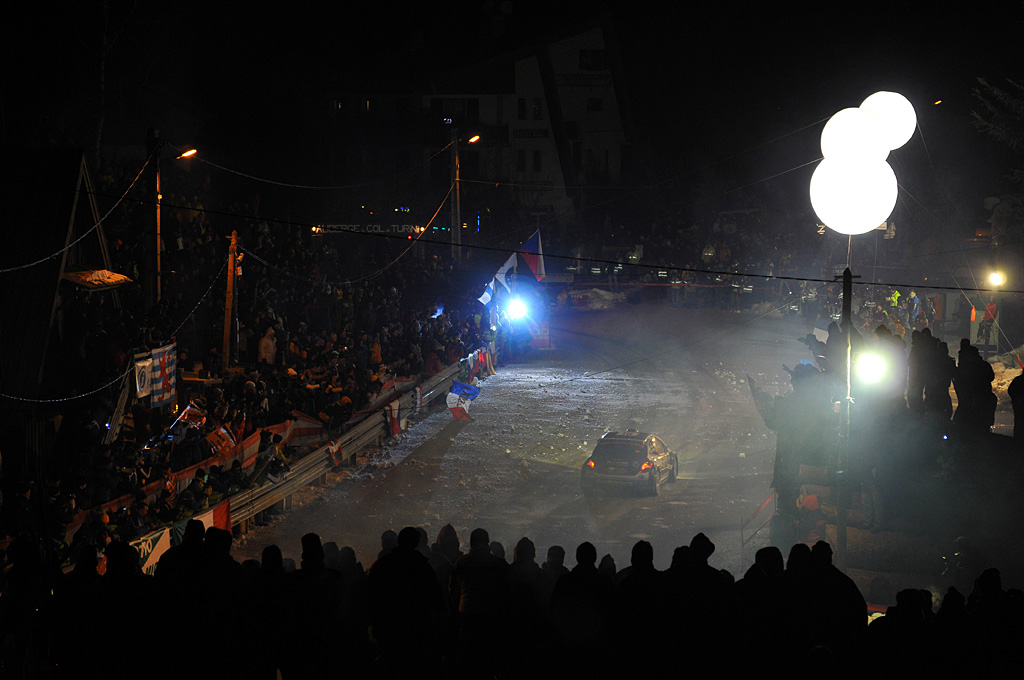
(444, 609)
(324, 323)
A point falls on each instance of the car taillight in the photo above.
(646, 466)
(590, 463)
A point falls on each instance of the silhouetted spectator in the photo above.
(314, 605)
(581, 607)
(479, 595)
(405, 608)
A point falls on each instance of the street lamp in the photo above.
(456, 223)
(853, 190)
(154, 147)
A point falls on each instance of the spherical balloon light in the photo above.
(853, 196)
(854, 133)
(897, 115)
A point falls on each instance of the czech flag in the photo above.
(533, 252)
(459, 398)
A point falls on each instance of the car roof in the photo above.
(625, 435)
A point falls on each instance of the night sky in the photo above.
(711, 84)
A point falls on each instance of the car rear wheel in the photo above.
(655, 482)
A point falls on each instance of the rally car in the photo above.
(630, 460)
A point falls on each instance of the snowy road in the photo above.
(514, 470)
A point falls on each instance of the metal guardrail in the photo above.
(367, 433)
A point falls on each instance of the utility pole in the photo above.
(843, 458)
(229, 301)
(456, 221)
(152, 284)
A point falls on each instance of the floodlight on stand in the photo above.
(517, 309)
(870, 367)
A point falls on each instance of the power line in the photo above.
(131, 368)
(89, 231)
(291, 223)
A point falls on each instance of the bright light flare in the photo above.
(517, 309)
(997, 278)
(189, 153)
(871, 368)
(474, 139)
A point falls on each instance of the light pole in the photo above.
(853, 190)
(154, 147)
(456, 221)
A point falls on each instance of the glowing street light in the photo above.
(997, 278)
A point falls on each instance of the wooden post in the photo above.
(229, 300)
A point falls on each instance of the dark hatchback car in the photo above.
(630, 460)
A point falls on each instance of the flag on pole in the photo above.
(192, 415)
(488, 293)
(533, 252)
(162, 374)
(143, 373)
(459, 398)
(501, 276)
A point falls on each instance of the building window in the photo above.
(537, 166)
(522, 108)
(593, 60)
(538, 108)
(595, 104)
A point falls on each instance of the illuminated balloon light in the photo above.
(899, 120)
(853, 196)
(854, 133)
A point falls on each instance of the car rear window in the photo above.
(607, 451)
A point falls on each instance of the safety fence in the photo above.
(387, 420)
(301, 430)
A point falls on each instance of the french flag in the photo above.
(533, 252)
(459, 398)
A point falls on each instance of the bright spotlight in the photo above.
(516, 309)
(871, 367)
(997, 278)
